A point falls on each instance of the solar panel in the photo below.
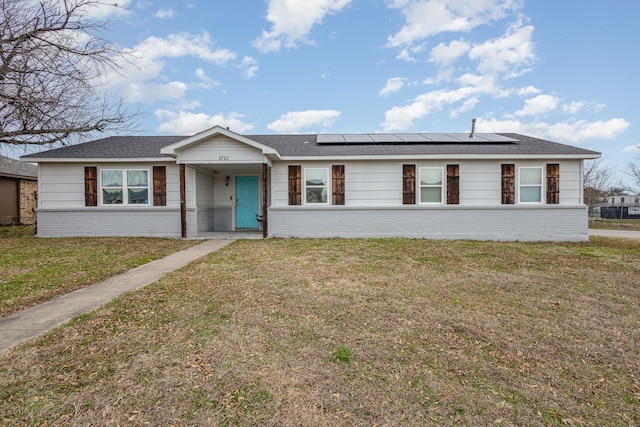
(386, 137)
(330, 138)
(414, 138)
(444, 137)
(357, 139)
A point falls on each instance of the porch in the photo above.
(230, 200)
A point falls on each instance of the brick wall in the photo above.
(28, 201)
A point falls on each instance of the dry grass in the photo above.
(615, 224)
(354, 333)
(34, 270)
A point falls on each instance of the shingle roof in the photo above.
(113, 147)
(17, 169)
(306, 145)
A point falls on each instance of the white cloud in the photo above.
(467, 106)
(632, 148)
(188, 123)
(472, 86)
(184, 44)
(509, 54)
(575, 132)
(103, 10)
(503, 57)
(292, 21)
(205, 82)
(296, 121)
(404, 55)
(426, 18)
(540, 104)
(573, 107)
(526, 91)
(393, 85)
(444, 54)
(249, 65)
(139, 92)
(140, 73)
(165, 13)
(401, 118)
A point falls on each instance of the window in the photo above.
(530, 184)
(315, 181)
(622, 200)
(125, 187)
(430, 185)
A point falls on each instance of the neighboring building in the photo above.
(626, 206)
(442, 186)
(18, 186)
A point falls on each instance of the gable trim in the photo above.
(171, 149)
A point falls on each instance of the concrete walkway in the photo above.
(40, 319)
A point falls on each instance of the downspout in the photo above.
(183, 203)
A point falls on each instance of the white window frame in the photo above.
(126, 187)
(326, 186)
(421, 186)
(540, 186)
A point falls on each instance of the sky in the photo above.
(564, 70)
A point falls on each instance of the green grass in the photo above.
(351, 333)
(343, 354)
(33, 270)
(615, 224)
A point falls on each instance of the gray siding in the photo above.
(155, 222)
(504, 223)
(379, 183)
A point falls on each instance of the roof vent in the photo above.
(473, 127)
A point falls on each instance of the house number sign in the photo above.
(223, 158)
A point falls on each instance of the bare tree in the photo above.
(596, 182)
(52, 62)
(633, 170)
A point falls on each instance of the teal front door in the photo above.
(247, 206)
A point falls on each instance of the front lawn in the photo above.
(352, 333)
(615, 224)
(34, 270)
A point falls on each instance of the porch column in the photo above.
(265, 204)
(183, 203)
